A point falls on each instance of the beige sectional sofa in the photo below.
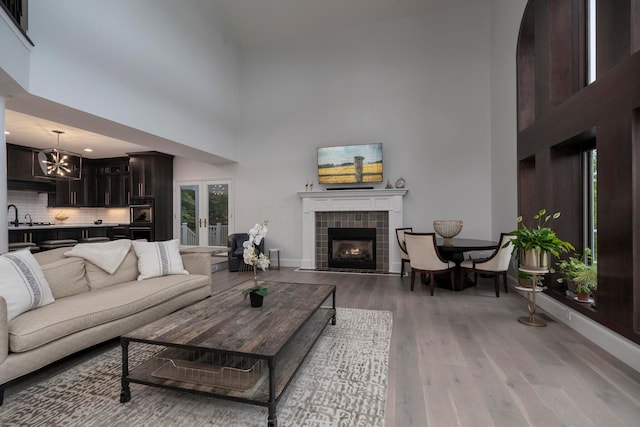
(92, 306)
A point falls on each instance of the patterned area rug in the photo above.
(342, 382)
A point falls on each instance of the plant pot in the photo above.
(256, 299)
(583, 296)
(525, 283)
(533, 259)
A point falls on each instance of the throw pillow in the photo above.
(22, 283)
(158, 258)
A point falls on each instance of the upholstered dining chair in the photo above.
(404, 255)
(424, 258)
(495, 265)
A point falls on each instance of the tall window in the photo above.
(591, 41)
(590, 208)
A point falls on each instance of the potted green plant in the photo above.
(535, 242)
(580, 271)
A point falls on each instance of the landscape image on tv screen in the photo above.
(350, 164)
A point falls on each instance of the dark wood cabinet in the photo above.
(152, 178)
(112, 182)
(74, 192)
(151, 174)
(20, 162)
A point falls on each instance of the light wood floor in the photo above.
(462, 359)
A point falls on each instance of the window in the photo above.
(590, 205)
(591, 41)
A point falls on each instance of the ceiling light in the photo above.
(55, 163)
(88, 150)
(6, 132)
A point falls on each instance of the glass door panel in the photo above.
(189, 214)
(218, 213)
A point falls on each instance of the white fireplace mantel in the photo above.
(350, 200)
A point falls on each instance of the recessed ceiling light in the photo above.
(88, 150)
(6, 132)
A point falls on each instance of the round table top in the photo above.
(463, 245)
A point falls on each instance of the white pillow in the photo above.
(158, 258)
(22, 283)
(106, 255)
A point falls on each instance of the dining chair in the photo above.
(424, 258)
(495, 265)
(404, 255)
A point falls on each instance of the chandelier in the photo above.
(58, 164)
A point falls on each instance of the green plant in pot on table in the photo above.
(257, 260)
(582, 272)
(535, 242)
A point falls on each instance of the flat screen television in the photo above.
(350, 164)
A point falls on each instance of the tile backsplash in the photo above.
(35, 204)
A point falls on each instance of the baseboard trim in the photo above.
(619, 346)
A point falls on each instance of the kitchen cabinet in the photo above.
(20, 162)
(152, 178)
(113, 182)
(151, 174)
(74, 192)
(31, 236)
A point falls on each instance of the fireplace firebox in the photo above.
(352, 248)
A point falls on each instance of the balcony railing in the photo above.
(217, 235)
(17, 11)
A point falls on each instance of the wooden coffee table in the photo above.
(223, 347)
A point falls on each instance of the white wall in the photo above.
(152, 65)
(505, 24)
(419, 85)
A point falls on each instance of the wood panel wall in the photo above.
(560, 116)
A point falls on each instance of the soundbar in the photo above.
(350, 188)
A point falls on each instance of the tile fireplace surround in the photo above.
(358, 201)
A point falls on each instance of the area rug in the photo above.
(342, 382)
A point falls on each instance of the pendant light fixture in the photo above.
(58, 164)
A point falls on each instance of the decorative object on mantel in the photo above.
(61, 216)
(447, 229)
(388, 186)
(257, 292)
(58, 164)
(400, 183)
(311, 186)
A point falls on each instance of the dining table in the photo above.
(454, 250)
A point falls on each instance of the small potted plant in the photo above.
(534, 243)
(257, 260)
(581, 272)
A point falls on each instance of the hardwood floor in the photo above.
(462, 358)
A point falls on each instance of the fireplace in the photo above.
(352, 248)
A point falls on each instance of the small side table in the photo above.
(531, 319)
(277, 252)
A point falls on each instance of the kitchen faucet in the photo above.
(30, 220)
(16, 223)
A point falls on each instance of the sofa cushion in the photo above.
(106, 255)
(79, 312)
(47, 257)
(66, 277)
(22, 283)
(128, 270)
(158, 258)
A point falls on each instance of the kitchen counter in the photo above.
(26, 227)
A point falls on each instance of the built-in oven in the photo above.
(141, 212)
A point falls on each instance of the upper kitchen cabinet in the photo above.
(20, 162)
(75, 192)
(113, 182)
(151, 174)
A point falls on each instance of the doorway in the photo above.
(206, 212)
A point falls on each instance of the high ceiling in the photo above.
(250, 23)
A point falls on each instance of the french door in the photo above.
(206, 212)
